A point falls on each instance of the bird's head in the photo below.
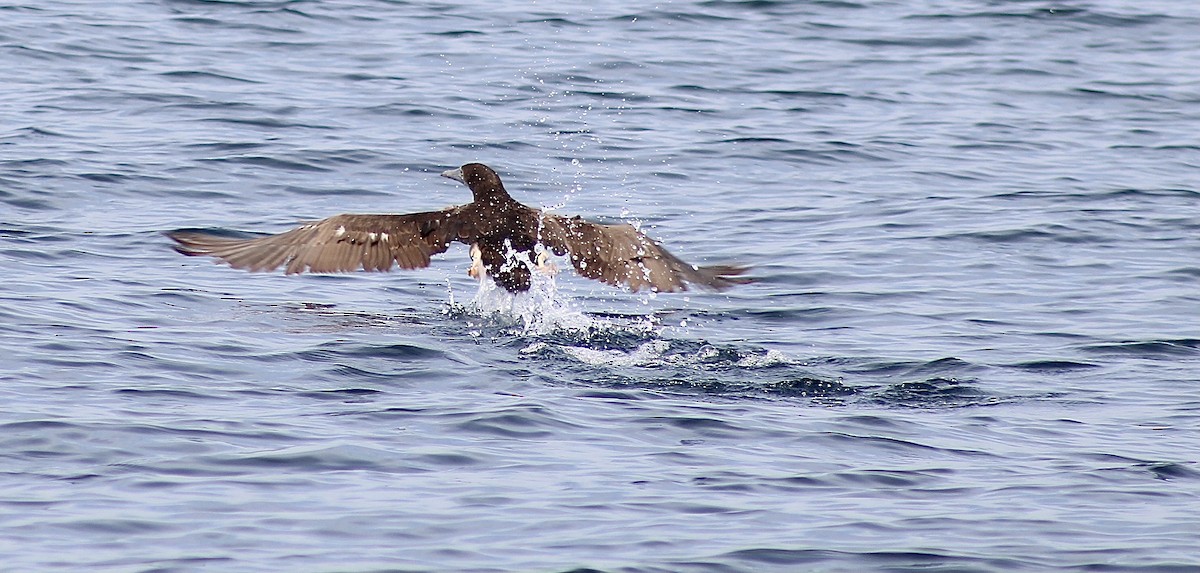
(483, 182)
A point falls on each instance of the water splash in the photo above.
(543, 309)
(631, 350)
(540, 310)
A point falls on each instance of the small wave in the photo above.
(1054, 365)
(1148, 348)
(205, 76)
(916, 42)
(675, 16)
(269, 162)
(813, 559)
(1051, 233)
(166, 393)
(341, 394)
(1082, 15)
(265, 123)
(1167, 471)
(398, 351)
(936, 392)
(524, 423)
(300, 459)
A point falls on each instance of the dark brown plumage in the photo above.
(503, 235)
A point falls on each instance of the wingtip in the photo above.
(724, 277)
(195, 243)
(182, 244)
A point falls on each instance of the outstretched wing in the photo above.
(620, 254)
(341, 243)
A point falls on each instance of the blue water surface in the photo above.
(974, 343)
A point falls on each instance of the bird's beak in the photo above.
(455, 174)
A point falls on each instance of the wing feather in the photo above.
(622, 255)
(342, 243)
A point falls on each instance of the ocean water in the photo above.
(973, 343)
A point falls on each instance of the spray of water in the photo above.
(545, 310)
(540, 310)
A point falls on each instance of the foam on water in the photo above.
(660, 352)
(647, 354)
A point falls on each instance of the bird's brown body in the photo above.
(505, 232)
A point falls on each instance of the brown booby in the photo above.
(503, 235)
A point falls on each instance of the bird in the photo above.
(508, 242)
